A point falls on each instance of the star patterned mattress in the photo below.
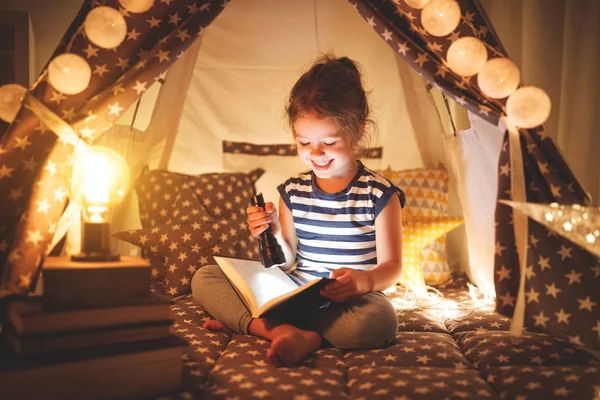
(464, 352)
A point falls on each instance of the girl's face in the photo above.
(326, 150)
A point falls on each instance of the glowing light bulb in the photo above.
(137, 6)
(69, 73)
(467, 56)
(105, 27)
(498, 78)
(103, 176)
(440, 17)
(11, 97)
(528, 107)
(418, 4)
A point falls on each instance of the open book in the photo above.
(270, 291)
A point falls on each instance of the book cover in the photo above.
(270, 291)
(131, 370)
(59, 341)
(80, 284)
(29, 317)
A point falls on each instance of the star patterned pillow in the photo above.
(186, 247)
(188, 239)
(157, 192)
(225, 195)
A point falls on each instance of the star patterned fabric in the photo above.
(561, 278)
(180, 234)
(547, 177)
(34, 165)
(465, 354)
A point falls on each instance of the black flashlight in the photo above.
(271, 253)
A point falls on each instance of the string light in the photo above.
(137, 6)
(579, 224)
(440, 17)
(69, 73)
(11, 97)
(418, 4)
(498, 78)
(466, 56)
(105, 27)
(528, 107)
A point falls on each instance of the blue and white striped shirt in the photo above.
(337, 230)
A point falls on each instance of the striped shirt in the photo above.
(337, 230)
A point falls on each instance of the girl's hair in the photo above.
(332, 89)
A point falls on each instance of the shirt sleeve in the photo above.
(387, 195)
(284, 191)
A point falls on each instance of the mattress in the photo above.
(451, 348)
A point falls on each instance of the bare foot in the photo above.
(215, 326)
(292, 347)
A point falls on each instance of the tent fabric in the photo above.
(562, 278)
(119, 76)
(475, 154)
(545, 170)
(243, 76)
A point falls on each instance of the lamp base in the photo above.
(95, 246)
(95, 257)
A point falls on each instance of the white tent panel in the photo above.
(243, 76)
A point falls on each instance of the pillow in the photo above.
(225, 195)
(222, 195)
(157, 191)
(281, 162)
(426, 193)
(189, 241)
(417, 232)
(171, 200)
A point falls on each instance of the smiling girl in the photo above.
(339, 220)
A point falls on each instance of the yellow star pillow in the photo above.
(418, 232)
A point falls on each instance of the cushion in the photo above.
(157, 191)
(280, 161)
(186, 219)
(426, 196)
(417, 232)
(188, 244)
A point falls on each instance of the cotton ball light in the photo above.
(440, 17)
(528, 107)
(137, 6)
(69, 73)
(11, 97)
(105, 27)
(498, 78)
(466, 56)
(418, 4)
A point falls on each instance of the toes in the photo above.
(216, 326)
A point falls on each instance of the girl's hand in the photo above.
(348, 283)
(259, 219)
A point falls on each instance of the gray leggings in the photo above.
(363, 322)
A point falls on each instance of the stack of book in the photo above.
(96, 332)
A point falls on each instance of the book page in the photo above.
(264, 284)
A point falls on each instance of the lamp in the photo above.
(101, 175)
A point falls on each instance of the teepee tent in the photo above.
(216, 87)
